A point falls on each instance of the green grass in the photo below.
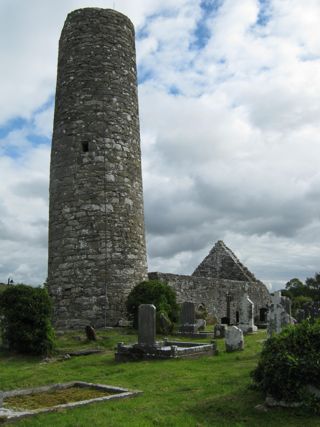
(53, 398)
(209, 391)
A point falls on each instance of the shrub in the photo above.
(290, 362)
(26, 326)
(157, 293)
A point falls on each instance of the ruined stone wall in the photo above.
(212, 293)
(222, 263)
(96, 223)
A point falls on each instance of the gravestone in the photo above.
(278, 317)
(166, 325)
(246, 315)
(90, 333)
(148, 348)
(229, 299)
(188, 318)
(188, 313)
(219, 330)
(1, 399)
(147, 325)
(234, 339)
(201, 324)
(286, 303)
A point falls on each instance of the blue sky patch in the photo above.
(202, 33)
(38, 139)
(13, 124)
(144, 74)
(264, 15)
(173, 90)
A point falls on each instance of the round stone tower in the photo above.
(97, 250)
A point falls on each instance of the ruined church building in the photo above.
(97, 250)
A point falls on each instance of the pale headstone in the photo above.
(125, 323)
(147, 325)
(278, 317)
(286, 303)
(246, 315)
(234, 339)
(201, 324)
(166, 325)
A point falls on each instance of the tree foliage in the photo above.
(25, 325)
(156, 293)
(289, 364)
(301, 293)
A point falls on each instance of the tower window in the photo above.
(85, 147)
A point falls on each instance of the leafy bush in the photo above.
(290, 362)
(25, 325)
(157, 293)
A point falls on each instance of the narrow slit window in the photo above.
(85, 147)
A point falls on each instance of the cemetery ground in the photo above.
(207, 391)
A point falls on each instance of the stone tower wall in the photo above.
(97, 248)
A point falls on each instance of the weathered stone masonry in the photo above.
(219, 276)
(211, 293)
(96, 223)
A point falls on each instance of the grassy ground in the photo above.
(209, 391)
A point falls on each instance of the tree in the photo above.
(26, 326)
(289, 364)
(313, 286)
(156, 293)
(299, 302)
(295, 287)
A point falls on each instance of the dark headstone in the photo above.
(147, 325)
(188, 313)
(219, 330)
(225, 321)
(90, 333)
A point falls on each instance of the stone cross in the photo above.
(188, 313)
(246, 315)
(229, 299)
(278, 318)
(286, 303)
(147, 325)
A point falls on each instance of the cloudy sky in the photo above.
(229, 95)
